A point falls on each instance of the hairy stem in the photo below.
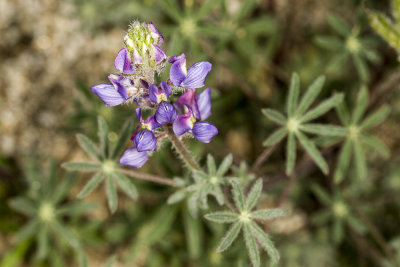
(182, 150)
(148, 177)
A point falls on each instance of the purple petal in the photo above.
(188, 99)
(108, 94)
(155, 33)
(204, 104)
(165, 113)
(145, 141)
(178, 71)
(182, 124)
(153, 92)
(122, 84)
(144, 83)
(166, 88)
(137, 59)
(134, 158)
(139, 114)
(151, 123)
(196, 75)
(204, 131)
(123, 63)
(159, 54)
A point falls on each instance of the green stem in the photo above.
(182, 150)
(148, 177)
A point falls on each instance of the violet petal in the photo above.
(108, 94)
(178, 71)
(165, 113)
(134, 158)
(204, 131)
(204, 104)
(145, 141)
(182, 124)
(123, 63)
(196, 75)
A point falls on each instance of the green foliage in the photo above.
(244, 219)
(105, 164)
(44, 205)
(357, 141)
(348, 44)
(298, 119)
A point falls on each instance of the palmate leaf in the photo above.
(103, 136)
(293, 97)
(339, 25)
(385, 28)
(324, 129)
(254, 195)
(265, 242)
(82, 166)
(91, 185)
(361, 105)
(276, 137)
(27, 231)
(267, 214)
(274, 116)
(229, 237)
(375, 118)
(123, 136)
(238, 196)
(360, 161)
(89, 147)
(344, 161)
(211, 167)
(111, 193)
(126, 185)
(312, 92)
(322, 108)
(290, 153)
(42, 243)
(65, 233)
(23, 205)
(251, 245)
(313, 152)
(222, 217)
(376, 145)
(225, 165)
(177, 197)
(329, 42)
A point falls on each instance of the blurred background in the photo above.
(52, 52)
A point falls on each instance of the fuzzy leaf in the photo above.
(265, 242)
(290, 154)
(76, 208)
(343, 113)
(111, 193)
(222, 217)
(176, 197)
(267, 214)
(361, 105)
(205, 8)
(322, 108)
(91, 185)
(254, 195)
(225, 165)
(293, 97)
(329, 42)
(321, 194)
(384, 27)
(251, 245)
(360, 161)
(324, 129)
(123, 137)
(361, 67)
(312, 92)
(212, 168)
(42, 243)
(343, 161)
(339, 25)
(82, 166)
(238, 196)
(23, 205)
(229, 237)
(313, 152)
(276, 137)
(65, 233)
(89, 147)
(274, 116)
(27, 231)
(375, 118)
(103, 136)
(172, 9)
(376, 145)
(126, 185)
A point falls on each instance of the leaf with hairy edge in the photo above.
(254, 195)
(237, 196)
(89, 147)
(212, 168)
(27, 231)
(312, 92)
(329, 42)
(276, 137)
(265, 242)
(126, 185)
(360, 161)
(324, 129)
(176, 197)
(274, 116)
(343, 113)
(103, 136)
(293, 95)
(290, 154)
(343, 161)
(42, 243)
(251, 245)
(65, 233)
(313, 152)
(267, 214)
(322, 108)
(229, 237)
(361, 105)
(23, 205)
(339, 25)
(225, 165)
(111, 193)
(91, 185)
(82, 166)
(222, 217)
(376, 144)
(123, 136)
(375, 118)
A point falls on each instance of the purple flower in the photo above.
(123, 62)
(118, 91)
(195, 110)
(165, 113)
(132, 157)
(194, 77)
(144, 138)
(157, 95)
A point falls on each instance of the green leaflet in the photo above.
(111, 193)
(89, 147)
(222, 217)
(251, 245)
